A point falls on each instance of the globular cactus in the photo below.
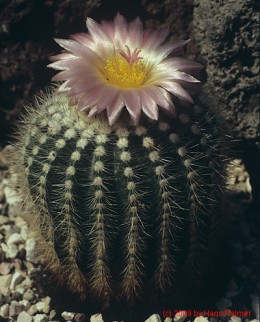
(119, 209)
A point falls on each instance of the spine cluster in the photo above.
(116, 209)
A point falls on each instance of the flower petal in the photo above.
(135, 33)
(177, 90)
(132, 104)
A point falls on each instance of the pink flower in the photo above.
(119, 65)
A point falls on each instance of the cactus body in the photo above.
(117, 209)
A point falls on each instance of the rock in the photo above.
(52, 314)
(4, 311)
(24, 317)
(96, 318)
(26, 304)
(154, 318)
(5, 268)
(44, 305)
(235, 319)
(15, 296)
(201, 319)
(168, 319)
(2, 298)
(30, 249)
(180, 316)
(5, 281)
(17, 278)
(33, 309)
(11, 250)
(79, 317)
(15, 239)
(28, 295)
(230, 48)
(68, 316)
(40, 318)
(15, 308)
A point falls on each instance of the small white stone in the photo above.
(154, 318)
(15, 238)
(68, 316)
(96, 318)
(30, 249)
(26, 304)
(180, 316)
(11, 250)
(168, 319)
(201, 319)
(24, 317)
(4, 310)
(17, 278)
(235, 319)
(15, 308)
(40, 318)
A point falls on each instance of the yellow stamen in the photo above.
(118, 71)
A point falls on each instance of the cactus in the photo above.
(117, 209)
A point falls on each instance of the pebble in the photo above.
(180, 316)
(168, 319)
(80, 317)
(235, 319)
(68, 316)
(28, 295)
(5, 268)
(154, 318)
(15, 308)
(201, 319)
(17, 278)
(40, 318)
(44, 305)
(24, 317)
(30, 249)
(11, 250)
(96, 318)
(15, 239)
(5, 281)
(26, 304)
(33, 309)
(2, 298)
(4, 310)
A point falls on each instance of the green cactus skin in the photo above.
(117, 209)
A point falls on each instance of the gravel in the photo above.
(24, 296)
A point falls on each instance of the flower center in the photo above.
(126, 69)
